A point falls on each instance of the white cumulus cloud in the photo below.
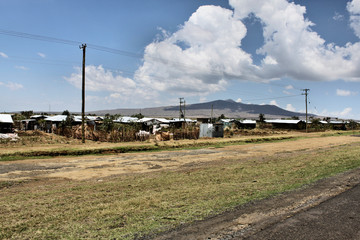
(273, 102)
(290, 107)
(206, 52)
(300, 52)
(353, 8)
(346, 112)
(98, 79)
(345, 93)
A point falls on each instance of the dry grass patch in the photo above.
(132, 206)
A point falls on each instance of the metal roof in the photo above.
(38, 116)
(163, 120)
(182, 120)
(56, 118)
(6, 118)
(126, 119)
(283, 121)
(248, 121)
(336, 122)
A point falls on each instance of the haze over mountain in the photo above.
(229, 108)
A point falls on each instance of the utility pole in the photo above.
(83, 47)
(181, 112)
(306, 94)
(212, 112)
(184, 111)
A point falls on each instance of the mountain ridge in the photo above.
(228, 107)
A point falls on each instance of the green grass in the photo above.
(132, 206)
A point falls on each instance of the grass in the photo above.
(129, 207)
(21, 155)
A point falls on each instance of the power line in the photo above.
(38, 37)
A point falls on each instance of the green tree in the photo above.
(66, 112)
(138, 115)
(222, 116)
(27, 114)
(261, 117)
(108, 123)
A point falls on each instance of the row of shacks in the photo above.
(50, 123)
(152, 125)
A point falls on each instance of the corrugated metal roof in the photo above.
(94, 118)
(126, 119)
(226, 120)
(146, 120)
(163, 120)
(56, 118)
(248, 121)
(336, 122)
(6, 118)
(181, 120)
(38, 116)
(283, 121)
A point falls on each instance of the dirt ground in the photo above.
(102, 166)
(235, 225)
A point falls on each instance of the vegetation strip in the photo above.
(126, 149)
(132, 206)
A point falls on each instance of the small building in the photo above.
(287, 124)
(54, 122)
(211, 130)
(337, 125)
(246, 124)
(227, 122)
(6, 123)
(34, 123)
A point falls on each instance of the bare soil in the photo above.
(240, 223)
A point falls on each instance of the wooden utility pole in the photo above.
(181, 113)
(306, 94)
(212, 112)
(83, 47)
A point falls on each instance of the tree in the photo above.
(27, 114)
(108, 123)
(315, 123)
(66, 112)
(261, 117)
(352, 125)
(222, 116)
(138, 115)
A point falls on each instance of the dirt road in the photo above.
(102, 166)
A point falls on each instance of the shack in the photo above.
(287, 124)
(6, 123)
(211, 130)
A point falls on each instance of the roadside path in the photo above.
(337, 218)
(327, 209)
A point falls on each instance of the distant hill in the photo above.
(229, 108)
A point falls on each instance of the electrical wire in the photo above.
(119, 52)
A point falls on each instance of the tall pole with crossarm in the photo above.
(306, 94)
(83, 47)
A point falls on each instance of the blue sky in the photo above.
(260, 52)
